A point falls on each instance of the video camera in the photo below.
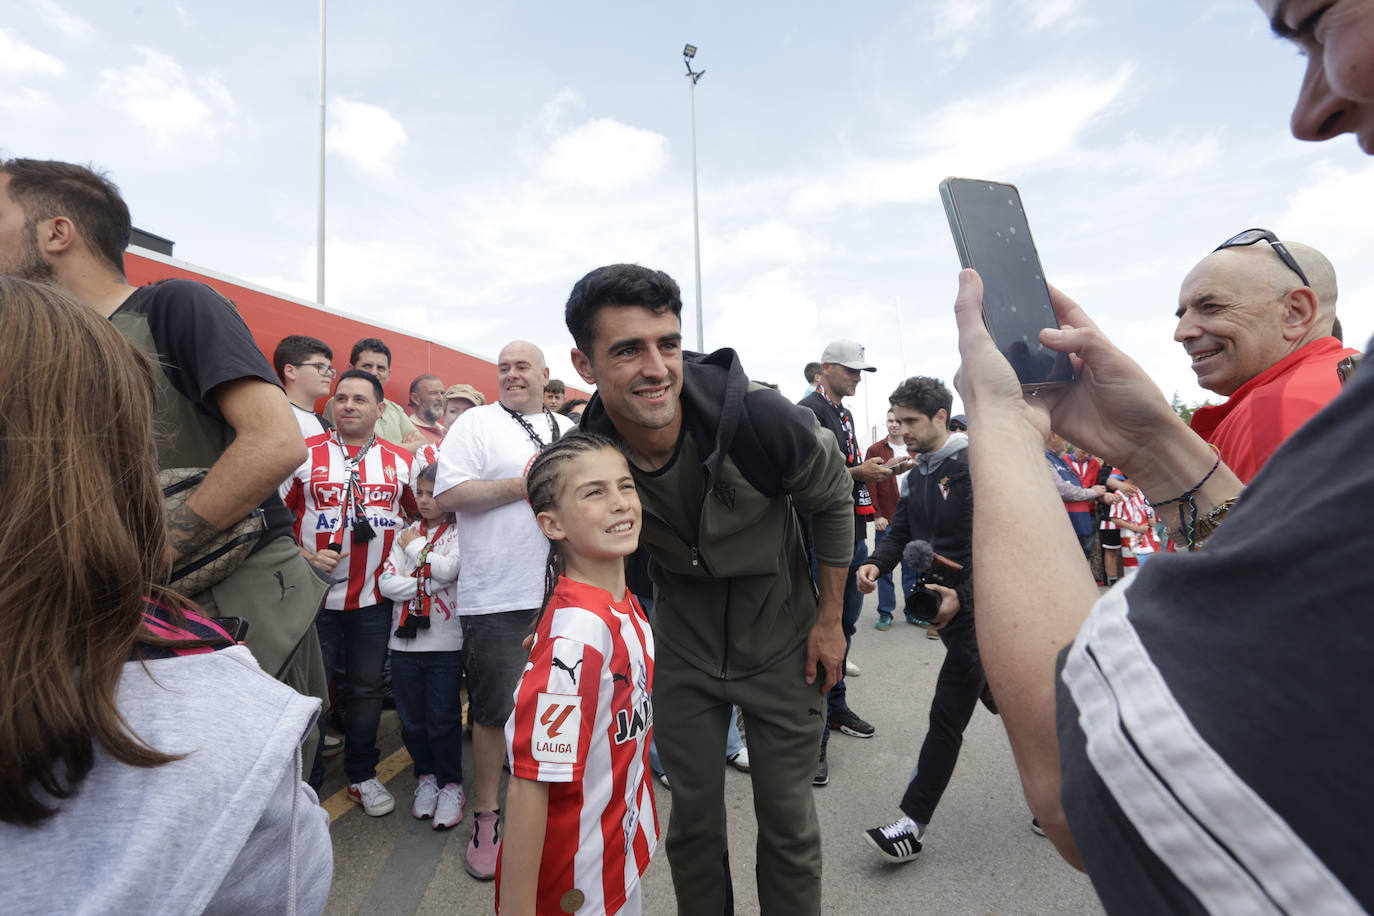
(923, 604)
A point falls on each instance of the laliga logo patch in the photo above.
(558, 728)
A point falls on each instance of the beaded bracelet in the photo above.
(1187, 510)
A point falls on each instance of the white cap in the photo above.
(848, 353)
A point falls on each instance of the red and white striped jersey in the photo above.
(315, 492)
(583, 720)
(425, 456)
(1137, 510)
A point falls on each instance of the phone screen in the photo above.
(993, 237)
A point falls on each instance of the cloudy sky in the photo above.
(482, 157)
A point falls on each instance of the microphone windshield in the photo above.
(918, 554)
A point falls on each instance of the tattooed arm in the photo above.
(267, 447)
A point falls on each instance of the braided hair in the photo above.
(544, 483)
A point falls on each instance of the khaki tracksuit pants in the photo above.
(783, 718)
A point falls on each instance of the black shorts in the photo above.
(1111, 538)
(495, 657)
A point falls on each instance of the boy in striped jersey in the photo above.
(351, 497)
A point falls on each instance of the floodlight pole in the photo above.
(693, 76)
(319, 217)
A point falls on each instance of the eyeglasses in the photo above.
(1251, 236)
(322, 368)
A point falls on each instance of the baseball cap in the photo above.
(467, 392)
(848, 353)
(959, 419)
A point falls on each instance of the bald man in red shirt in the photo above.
(1256, 317)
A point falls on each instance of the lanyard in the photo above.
(847, 421)
(539, 444)
(353, 491)
(863, 500)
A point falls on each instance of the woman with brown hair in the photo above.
(132, 728)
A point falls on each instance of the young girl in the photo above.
(580, 816)
(427, 654)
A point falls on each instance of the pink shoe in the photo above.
(449, 808)
(484, 845)
(426, 797)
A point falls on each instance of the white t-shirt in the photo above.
(503, 550)
(308, 422)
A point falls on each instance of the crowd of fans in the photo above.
(204, 554)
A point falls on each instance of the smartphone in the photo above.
(992, 236)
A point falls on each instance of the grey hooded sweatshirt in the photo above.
(229, 828)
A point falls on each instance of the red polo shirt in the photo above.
(1271, 406)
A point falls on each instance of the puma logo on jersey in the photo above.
(572, 672)
(617, 676)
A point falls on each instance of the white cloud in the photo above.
(20, 59)
(366, 135)
(159, 95)
(957, 15)
(997, 134)
(772, 240)
(65, 21)
(605, 153)
(1045, 13)
(27, 102)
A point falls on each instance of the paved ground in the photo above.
(980, 856)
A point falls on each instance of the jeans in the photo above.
(957, 689)
(357, 638)
(425, 685)
(849, 619)
(887, 592)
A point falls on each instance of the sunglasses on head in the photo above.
(1251, 236)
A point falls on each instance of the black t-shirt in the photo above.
(833, 418)
(1215, 721)
(199, 341)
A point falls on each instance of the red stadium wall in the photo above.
(272, 316)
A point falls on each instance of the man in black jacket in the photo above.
(842, 365)
(938, 508)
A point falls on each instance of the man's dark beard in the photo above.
(31, 265)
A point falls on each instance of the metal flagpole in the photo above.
(319, 218)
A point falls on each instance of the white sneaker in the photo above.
(851, 669)
(426, 797)
(739, 760)
(449, 809)
(373, 796)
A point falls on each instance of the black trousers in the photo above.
(961, 682)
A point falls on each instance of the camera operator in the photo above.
(938, 508)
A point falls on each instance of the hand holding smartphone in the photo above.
(992, 237)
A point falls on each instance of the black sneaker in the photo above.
(899, 841)
(849, 723)
(1036, 828)
(822, 776)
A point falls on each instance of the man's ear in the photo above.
(56, 236)
(288, 373)
(583, 365)
(1301, 312)
(548, 524)
(941, 419)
